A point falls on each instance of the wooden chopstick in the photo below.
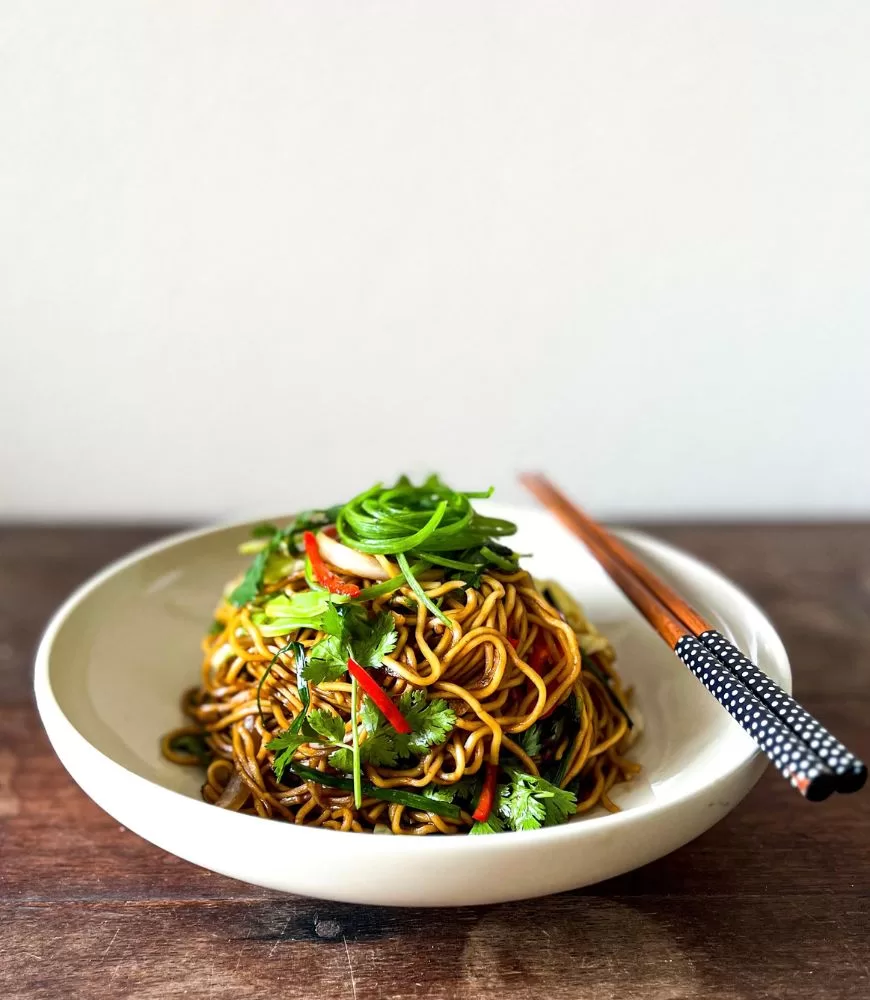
(850, 773)
(801, 748)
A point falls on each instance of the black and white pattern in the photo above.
(851, 773)
(790, 755)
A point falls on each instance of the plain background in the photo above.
(255, 255)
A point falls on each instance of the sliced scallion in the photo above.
(412, 800)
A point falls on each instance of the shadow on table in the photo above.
(769, 903)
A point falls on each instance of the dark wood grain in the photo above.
(773, 902)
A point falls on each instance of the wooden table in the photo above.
(773, 902)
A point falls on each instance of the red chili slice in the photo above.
(380, 697)
(487, 795)
(540, 654)
(322, 573)
(537, 660)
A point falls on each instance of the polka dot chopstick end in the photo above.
(796, 761)
(849, 772)
(813, 760)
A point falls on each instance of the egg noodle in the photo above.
(437, 689)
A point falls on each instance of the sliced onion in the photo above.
(349, 560)
(220, 656)
(234, 795)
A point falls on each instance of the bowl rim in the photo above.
(60, 728)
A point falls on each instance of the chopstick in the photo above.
(812, 759)
(849, 771)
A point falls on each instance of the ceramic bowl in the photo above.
(115, 658)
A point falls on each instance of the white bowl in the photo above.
(116, 656)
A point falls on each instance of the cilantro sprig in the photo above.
(527, 802)
(530, 740)
(282, 542)
(431, 522)
(320, 726)
(350, 632)
(431, 723)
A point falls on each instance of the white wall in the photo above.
(259, 254)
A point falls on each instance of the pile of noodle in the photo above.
(479, 666)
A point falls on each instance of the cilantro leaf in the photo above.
(286, 541)
(350, 633)
(431, 722)
(559, 803)
(468, 789)
(530, 740)
(491, 825)
(327, 660)
(333, 623)
(379, 750)
(441, 793)
(342, 759)
(528, 803)
(216, 627)
(370, 715)
(518, 805)
(356, 619)
(376, 642)
(286, 743)
(252, 581)
(327, 725)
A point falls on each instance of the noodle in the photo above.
(480, 665)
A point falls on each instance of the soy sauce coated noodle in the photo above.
(480, 665)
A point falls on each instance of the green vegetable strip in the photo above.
(451, 563)
(309, 577)
(498, 560)
(393, 545)
(354, 729)
(410, 799)
(301, 684)
(388, 586)
(414, 584)
(265, 674)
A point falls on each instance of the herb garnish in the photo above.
(431, 723)
(526, 802)
(530, 740)
(286, 542)
(432, 522)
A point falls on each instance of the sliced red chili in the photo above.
(537, 660)
(487, 795)
(380, 697)
(540, 654)
(322, 573)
